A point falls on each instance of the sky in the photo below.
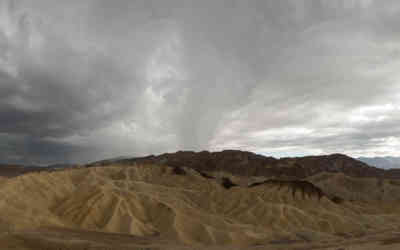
(94, 79)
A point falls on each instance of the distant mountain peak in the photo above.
(386, 162)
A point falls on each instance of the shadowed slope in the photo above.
(360, 189)
(304, 187)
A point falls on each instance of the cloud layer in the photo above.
(87, 80)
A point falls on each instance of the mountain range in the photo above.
(202, 200)
(251, 164)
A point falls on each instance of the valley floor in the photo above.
(84, 240)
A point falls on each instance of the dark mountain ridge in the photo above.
(13, 170)
(244, 163)
(240, 163)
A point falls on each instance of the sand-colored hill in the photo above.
(183, 206)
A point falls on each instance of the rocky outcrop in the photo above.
(305, 188)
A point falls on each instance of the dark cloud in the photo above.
(85, 80)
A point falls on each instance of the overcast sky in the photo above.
(84, 80)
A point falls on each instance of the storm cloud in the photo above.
(87, 80)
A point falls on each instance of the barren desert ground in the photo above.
(161, 207)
